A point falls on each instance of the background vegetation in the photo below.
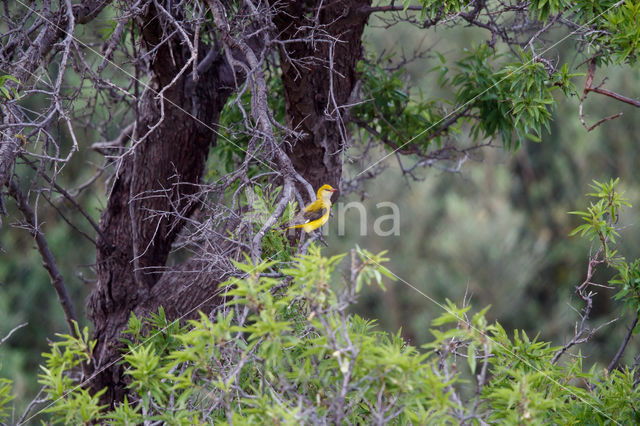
(495, 232)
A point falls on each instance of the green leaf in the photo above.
(471, 356)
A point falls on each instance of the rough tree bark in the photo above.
(155, 187)
(315, 95)
(159, 173)
(154, 177)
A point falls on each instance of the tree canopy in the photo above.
(206, 124)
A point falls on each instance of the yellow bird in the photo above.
(316, 214)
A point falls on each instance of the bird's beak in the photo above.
(333, 190)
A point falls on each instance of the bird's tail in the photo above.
(292, 226)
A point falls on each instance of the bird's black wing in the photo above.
(314, 215)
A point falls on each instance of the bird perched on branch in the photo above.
(316, 214)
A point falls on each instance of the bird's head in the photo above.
(325, 192)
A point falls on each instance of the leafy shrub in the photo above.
(285, 350)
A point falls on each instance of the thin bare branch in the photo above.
(48, 259)
(13, 330)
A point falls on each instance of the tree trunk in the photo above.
(153, 189)
(154, 179)
(314, 92)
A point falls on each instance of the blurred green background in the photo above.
(497, 230)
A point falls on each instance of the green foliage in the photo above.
(618, 393)
(431, 8)
(5, 398)
(543, 9)
(234, 131)
(513, 99)
(71, 403)
(588, 12)
(261, 204)
(125, 414)
(615, 36)
(600, 220)
(284, 350)
(391, 112)
(7, 92)
(627, 281)
(622, 25)
(397, 117)
(163, 342)
(371, 268)
(602, 216)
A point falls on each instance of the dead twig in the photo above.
(48, 259)
(588, 87)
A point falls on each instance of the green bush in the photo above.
(286, 350)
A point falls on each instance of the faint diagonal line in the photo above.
(145, 85)
(268, 166)
(251, 156)
(461, 319)
(466, 104)
(95, 374)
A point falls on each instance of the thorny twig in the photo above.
(588, 87)
(48, 259)
(582, 333)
